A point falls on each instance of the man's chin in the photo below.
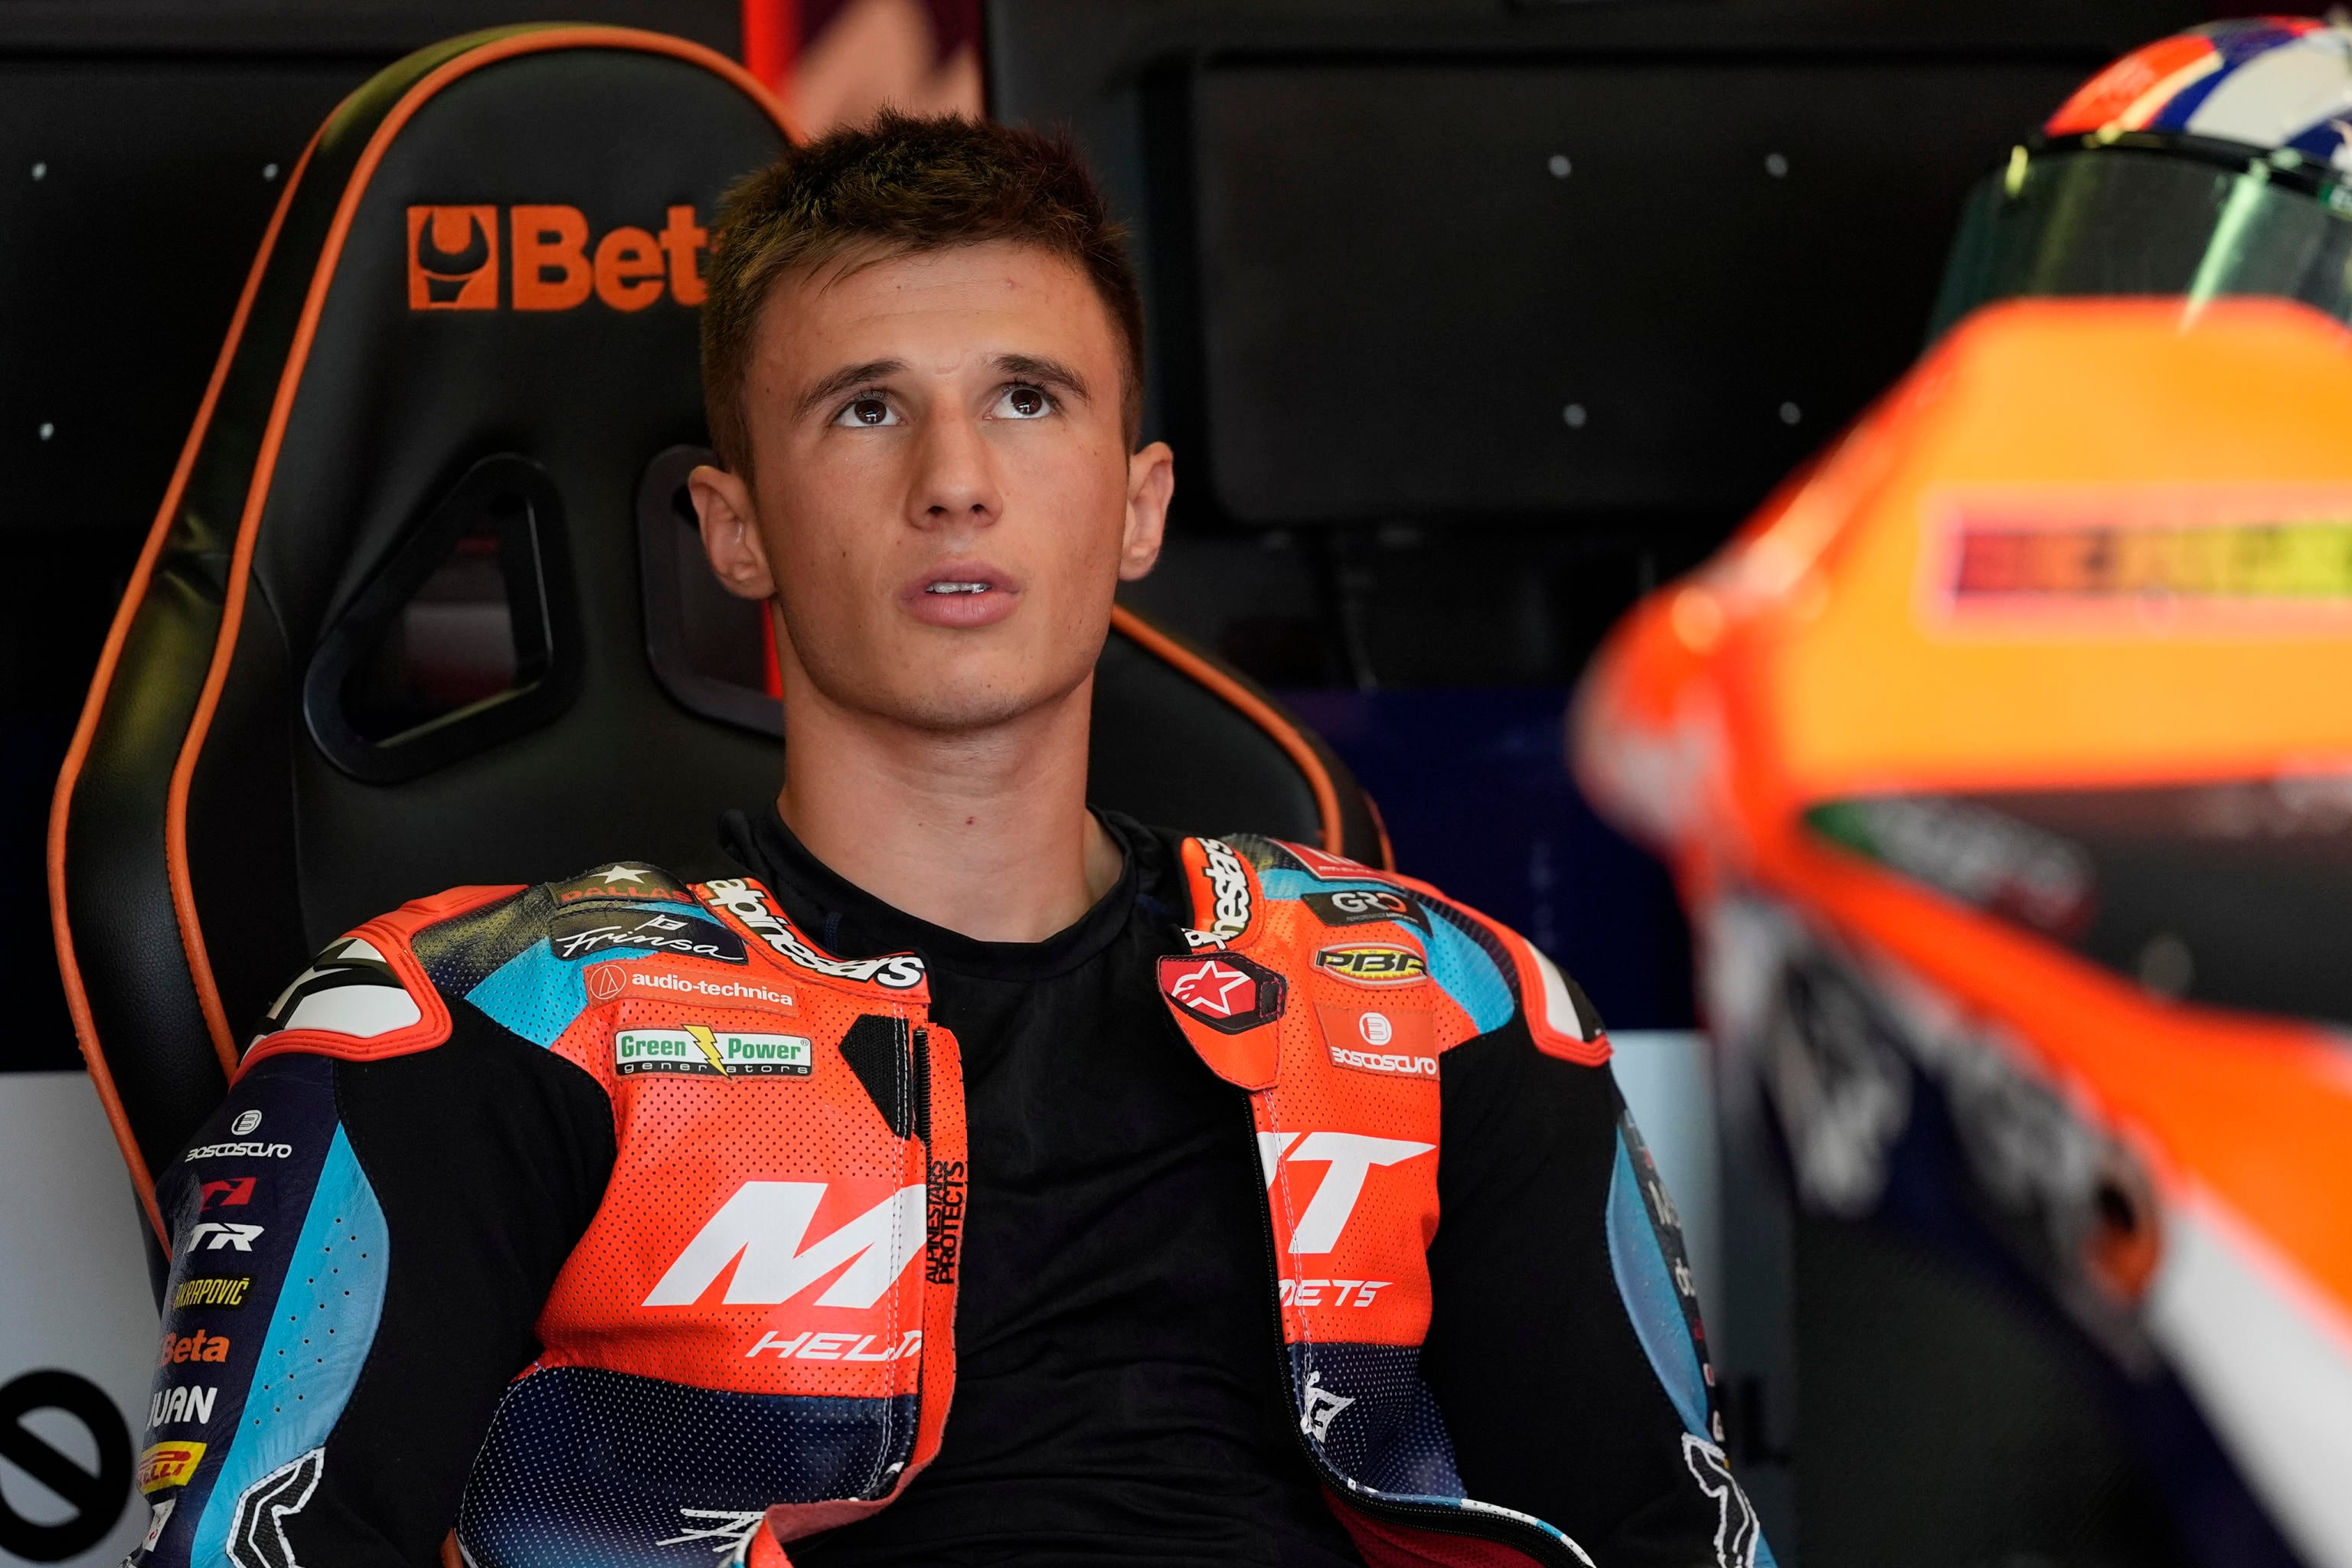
(949, 708)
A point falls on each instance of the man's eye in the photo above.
(1022, 403)
(867, 412)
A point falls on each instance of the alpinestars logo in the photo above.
(763, 1225)
(1224, 991)
(349, 989)
(728, 1530)
(1735, 1528)
(257, 1534)
(738, 897)
(1319, 1408)
(1230, 883)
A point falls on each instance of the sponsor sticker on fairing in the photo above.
(722, 1052)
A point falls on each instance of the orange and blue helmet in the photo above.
(2215, 162)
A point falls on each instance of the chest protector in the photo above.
(754, 1339)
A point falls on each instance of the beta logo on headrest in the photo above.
(453, 259)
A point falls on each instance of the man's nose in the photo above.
(957, 479)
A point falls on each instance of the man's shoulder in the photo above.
(1489, 971)
(513, 951)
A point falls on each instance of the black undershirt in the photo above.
(1117, 1395)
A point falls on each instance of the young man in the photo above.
(959, 1175)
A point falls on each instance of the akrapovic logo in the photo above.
(455, 252)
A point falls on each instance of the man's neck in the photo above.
(986, 834)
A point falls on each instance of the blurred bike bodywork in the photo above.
(2005, 764)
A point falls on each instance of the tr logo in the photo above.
(454, 252)
(240, 1237)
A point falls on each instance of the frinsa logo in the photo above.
(453, 259)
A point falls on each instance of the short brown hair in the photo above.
(900, 186)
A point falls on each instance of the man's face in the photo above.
(942, 501)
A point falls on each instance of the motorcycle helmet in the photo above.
(2215, 162)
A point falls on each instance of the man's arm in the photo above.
(360, 1250)
(1562, 1350)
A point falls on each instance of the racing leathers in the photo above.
(624, 1220)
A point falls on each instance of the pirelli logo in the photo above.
(540, 257)
(168, 1465)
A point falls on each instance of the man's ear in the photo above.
(1151, 484)
(731, 535)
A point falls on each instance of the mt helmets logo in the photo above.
(1225, 991)
(454, 253)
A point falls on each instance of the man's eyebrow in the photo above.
(1046, 372)
(847, 378)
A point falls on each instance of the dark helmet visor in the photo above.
(2168, 218)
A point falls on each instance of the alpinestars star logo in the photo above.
(1319, 1408)
(1735, 1528)
(727, 1529)
(1223, 990)
(349, 989)
(257, 1535)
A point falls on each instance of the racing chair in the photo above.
(424, 603)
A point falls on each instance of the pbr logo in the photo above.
(1373, 963)
(1224, 991)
